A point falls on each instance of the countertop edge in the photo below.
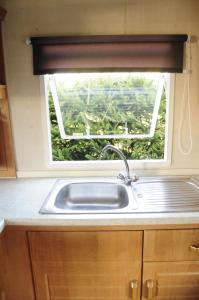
(108, 220)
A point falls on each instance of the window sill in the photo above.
(102, 165)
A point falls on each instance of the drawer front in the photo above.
(69, 246)
(171, 245)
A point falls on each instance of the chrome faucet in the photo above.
(127, 179)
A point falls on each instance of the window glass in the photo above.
(89, 110)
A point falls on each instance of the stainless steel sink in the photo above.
(144, 196)
(167, 195)
(89, 197)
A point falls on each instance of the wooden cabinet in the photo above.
(99, 265)
(171, 245)
(86, 265)
(7, 162)
(2, 267)
(16, 280)
(2, 67)
(171, 264)
(171, 280)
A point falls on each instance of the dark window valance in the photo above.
(157, 53)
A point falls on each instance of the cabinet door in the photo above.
(171, 280)
(86, 265)
(7, 162)
(2, 267)
(17, 276)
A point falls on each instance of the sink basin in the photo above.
(88, 197)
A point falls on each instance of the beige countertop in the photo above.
(21, 199)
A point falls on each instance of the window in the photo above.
(89, 110)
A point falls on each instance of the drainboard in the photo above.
(167, 195)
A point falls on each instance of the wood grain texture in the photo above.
(85, 265)
(2, 266)
(7, 161)
(18, 277)
(170, 245)
(172, 280)
(2, 66)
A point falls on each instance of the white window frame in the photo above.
(107, 168)
(50, 80)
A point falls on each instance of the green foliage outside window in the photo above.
(89, 149)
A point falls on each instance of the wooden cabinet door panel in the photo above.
(3, 161)
(17, 275)
(171, 280)
(2, 266)
(86, 265)
(170, 245)
(73, 246)
(7, 163)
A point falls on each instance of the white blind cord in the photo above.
(186, 100)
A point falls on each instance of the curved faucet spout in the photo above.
(127, 179)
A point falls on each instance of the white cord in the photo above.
(186, 98)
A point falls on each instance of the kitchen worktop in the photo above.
(21, 199)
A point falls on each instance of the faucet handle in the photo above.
(121, 176)
(127, 180)
(135, 178)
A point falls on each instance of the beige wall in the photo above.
(61, 17)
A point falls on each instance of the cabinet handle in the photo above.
(134, 289)
(150, 287)
(194, 248)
